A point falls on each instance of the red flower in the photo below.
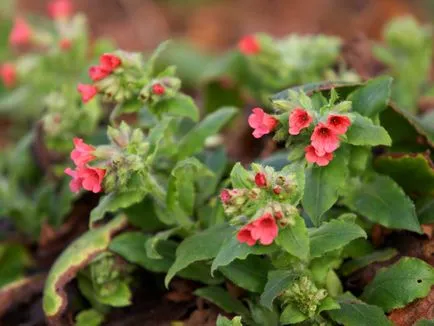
(324, 140)
(313, 157)
(65, 44)
(97, 73)
(249, 45)
(298, 120)
(85, 177)
(158, 89)
(338, 123)
(21, 32)
(245, 235)
(60, 8)
(265, 229)
(260, 180)
(87, 92)
(109, 62)
(82, 153)
(262, 122)
(225, 196)
(8, 74)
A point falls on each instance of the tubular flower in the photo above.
(82, 153)
(313, 157)
(8, 74)
(97, 73)
(87, 92)
(249, 45)
(265, 229)
(244, 235)
(324, 139)
(21, 32)
(59, 9)
(261, 122)
(338, 123)
(85, 177)
(298, 120)
(109, 62)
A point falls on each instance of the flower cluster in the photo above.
(84, 176)
(268, 201)
(108, 64)
(324, 138)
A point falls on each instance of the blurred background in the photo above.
(215, 25)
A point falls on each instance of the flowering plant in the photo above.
(286, 238)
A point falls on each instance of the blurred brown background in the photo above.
(218, 24)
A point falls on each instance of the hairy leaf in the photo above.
(223, 299)
(372, 98)
(278, 281)
(294, 239)
(363, 132)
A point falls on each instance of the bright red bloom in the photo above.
(245, 235)
(21, 32)
(158, 89)
(97, 73)
(324, 139)
(265, 229)
(298, 120)
(82, 153)
(65, 44)
(87, 92)
(338, 123)
(260, 180)
(85, 177)
(249, 45)
(109, 62)
(60, 8)
(8, 74)
(225, 196)
(262, 122)
(313, 157)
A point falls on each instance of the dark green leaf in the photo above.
(181, 105)
(278, 281)
(398, 285)
(223, 321)
(357, 263)
(294, 239)
(222, 299)
(292, 315)
(382, 201)
(372, 98)
(363, 132)
(425, 209)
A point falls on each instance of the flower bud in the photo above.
(260, 180)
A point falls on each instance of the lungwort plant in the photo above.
(281, 240)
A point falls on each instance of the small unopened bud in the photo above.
(277, 190)
(225, 196)
(260, 180)
(278, 215)
(158, 89)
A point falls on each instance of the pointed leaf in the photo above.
(278, 281)
(363, 132)
(223, 299)
(372, 98)
(294, 239)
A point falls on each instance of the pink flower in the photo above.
(21, 32)
(298, 120)
(245, 235)
(97, 73)
(313, 157)
(249, 45)
(87, 92)
(225, 196)
(65, 44)
(324, 140)
(158, 89)
(265, 229)
(338, 123)
(262, 122)
(85, 177)
(8, 74)
(60, 8)
(82, 153)
(260, 180)
(109, 62)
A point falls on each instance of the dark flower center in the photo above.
(324, 131)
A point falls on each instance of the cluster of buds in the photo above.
(304, 295)
(267, 202)
(324, 136)
(160, 88)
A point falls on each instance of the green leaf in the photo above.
(354, 312)
(158, 134)
(240, 177)
(294, 239)
(180, 105)
(90, 317)
(131, 246)
(77, 255)
(355, 264)
(381, 200)
(333, 235)
(249, 274)
(363, 132)
(425, 209)
(194, 140)
(372, 98)
(201, 246)
(400, 166)
(398, 285)
(292, 315)
(278, 281)
(425, 323)
(232, 249)
(113, 202)
(309, 89)
(222, 299)
(223, 321)
(323, 185)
